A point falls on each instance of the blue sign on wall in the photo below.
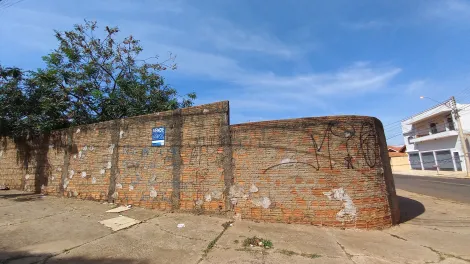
(158, 136)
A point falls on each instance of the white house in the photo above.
(432, 138)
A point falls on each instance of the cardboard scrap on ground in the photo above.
(119, 222)
(118, 209)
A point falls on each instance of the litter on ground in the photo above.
(118, 209)
(119, 222)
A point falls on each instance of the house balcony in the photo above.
(437, 111)
(443, 134)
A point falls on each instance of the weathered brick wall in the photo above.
(31, 166)
(11, 171)
(179, 174)
(115, 161)
(88, 156)
(323, 171)
(48, 163)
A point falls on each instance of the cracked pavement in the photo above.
(43, 229)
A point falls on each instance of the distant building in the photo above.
(432, 138)
(398, 158)
(396, 149)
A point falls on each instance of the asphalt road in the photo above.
(451, 189)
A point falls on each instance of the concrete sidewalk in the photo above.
(444, 174)
(38, 229)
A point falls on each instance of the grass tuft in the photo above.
(292, 253)
(257, 242)
(312, 256)
(287, 252)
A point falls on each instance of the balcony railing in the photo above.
(436, 129)
(442, 134)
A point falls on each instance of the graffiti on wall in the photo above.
(360, 144)
(331, 147)
(365, 143)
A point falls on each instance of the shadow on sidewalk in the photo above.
(20, 197)
(409, 209)
(26, 257)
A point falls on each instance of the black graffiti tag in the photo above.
(368, 144)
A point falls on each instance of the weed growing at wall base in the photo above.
(257, 242)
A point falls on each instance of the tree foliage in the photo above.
(12, 99)
(86, 79)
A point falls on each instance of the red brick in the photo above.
(295, 188)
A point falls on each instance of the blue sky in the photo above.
(278, 59)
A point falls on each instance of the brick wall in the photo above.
(321, 171)
(11, 172)
(331, 171)
(179, 174)
(30, 166)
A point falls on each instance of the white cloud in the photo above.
(354, 79)
(416, 86)
(214, 35)
(268, 93)
(198, 64)
(35, 29)
(214, 49)
(226, 36)
(451, 10)
(161, 20)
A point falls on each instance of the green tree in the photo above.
(28, 106)
(12, 99)
(86, 79)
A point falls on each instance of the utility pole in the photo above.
(455, 111)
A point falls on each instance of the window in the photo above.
(409, 140)
(433, 128)
(450, 123)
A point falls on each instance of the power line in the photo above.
(415, 131)
(393, 128)
(463, 108)
(463, 91)
(6, 4)
(397, 124)
(3, 3)
(14, 3)
(399, 121)
(423, 130)
(419, 131)
(464, 96)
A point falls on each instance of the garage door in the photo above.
(428, 161)
(444, 160)
(415, 161)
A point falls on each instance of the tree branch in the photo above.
(64, 89)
